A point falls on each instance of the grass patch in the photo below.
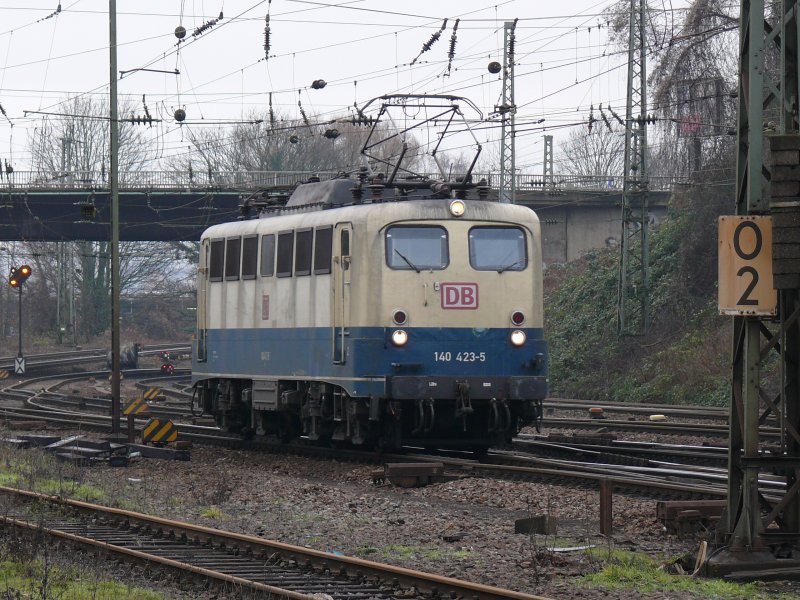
(211, 512)
(631, 571)
(71, 489)
(26, 580)
(410, 552)
(8, 478)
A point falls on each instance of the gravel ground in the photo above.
(461, 528)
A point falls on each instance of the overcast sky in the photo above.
(361, 48)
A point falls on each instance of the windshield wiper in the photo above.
(408, 262)
(511, 266)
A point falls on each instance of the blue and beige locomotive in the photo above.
(388, 321)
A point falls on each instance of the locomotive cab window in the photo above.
(302, 251)
(249, 257)
(416, 248)
(268, 255)
(285, 253)
(233, 248)
(323, 245)
(497, 249)
(217, 260)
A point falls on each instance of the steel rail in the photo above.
(652, 426)
(432, 584)
(648, 409)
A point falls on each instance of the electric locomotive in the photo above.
(412, 317)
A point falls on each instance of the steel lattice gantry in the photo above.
(759, 532)
(506, 111)
(633, 288)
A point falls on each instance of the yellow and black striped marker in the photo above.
(4, 374)
(151, 393)
(137, 406)
(159, 431)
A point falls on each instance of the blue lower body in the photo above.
(429, 365)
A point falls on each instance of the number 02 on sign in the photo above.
(745, 266)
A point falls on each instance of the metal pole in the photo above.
(19, 354)
(507, 110)
(113, 178)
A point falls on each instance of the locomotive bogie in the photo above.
(381, 324)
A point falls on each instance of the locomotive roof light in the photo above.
(517, 318)
(399, 338)
(457, 207)
(517, 337)
(399, 317)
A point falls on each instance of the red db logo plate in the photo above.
(460, 295)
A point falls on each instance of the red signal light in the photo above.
(25, 271)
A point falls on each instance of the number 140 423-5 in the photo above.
(459, 356)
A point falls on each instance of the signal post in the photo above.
(16, 279)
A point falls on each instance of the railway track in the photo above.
(670, 410)
(230, 559)
(662, 427)
(673, 481)
(53, 360)
(622, 451)
(622, 466)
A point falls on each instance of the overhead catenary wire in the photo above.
(466, 81)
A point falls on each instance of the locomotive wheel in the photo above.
(288, 428)
(480, 452)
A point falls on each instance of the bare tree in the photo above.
(72, 146)
(73, 149)
(690, 80)
(282, 145)
(597, 152)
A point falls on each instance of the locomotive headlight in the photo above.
(457, 208)
(399, 337)
(517, 337)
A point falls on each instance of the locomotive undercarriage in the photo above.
(325, 413)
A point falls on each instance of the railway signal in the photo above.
(16, 278)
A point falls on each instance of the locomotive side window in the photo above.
(268, 255)
(322, 250)
(233, 247)
(302, 252)
(285, 250)
(217, 262)
(344, 245)
(497, 249)
(416, 248)
(249, 257)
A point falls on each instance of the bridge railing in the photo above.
(248, 181)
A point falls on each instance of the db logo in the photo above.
(460, 295)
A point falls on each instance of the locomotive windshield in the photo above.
(416, 248)
(497, 249)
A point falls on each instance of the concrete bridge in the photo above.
(577, 212)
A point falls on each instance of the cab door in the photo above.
(340, 320)
(202, 301)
